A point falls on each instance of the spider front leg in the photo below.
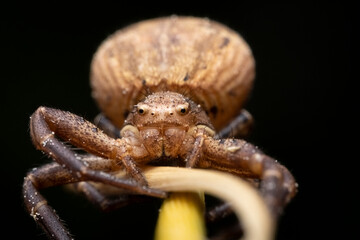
(46, 176)
(277, 184)
(54, 174)
(105, 197)
(47, 123)
(103, 200)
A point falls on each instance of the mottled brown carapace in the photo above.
(171, 91)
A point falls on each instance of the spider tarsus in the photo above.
(126, 184)
(42, 213)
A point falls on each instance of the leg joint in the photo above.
(34, 210)
(256, 163)
(47, 139)
(273, 173)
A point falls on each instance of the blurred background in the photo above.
(302, 103)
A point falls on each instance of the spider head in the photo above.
(167, 110)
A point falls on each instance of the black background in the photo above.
(302, 102)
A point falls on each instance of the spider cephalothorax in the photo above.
(161, 56)
(164, 123)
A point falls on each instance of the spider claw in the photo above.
(155, 192)
(126, 184)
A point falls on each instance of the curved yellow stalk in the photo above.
(244, 199)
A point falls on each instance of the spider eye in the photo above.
(182, 109)
(142, 109)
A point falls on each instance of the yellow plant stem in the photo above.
(181, 217)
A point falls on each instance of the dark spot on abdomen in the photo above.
(225, 42)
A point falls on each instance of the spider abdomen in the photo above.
(199, 58)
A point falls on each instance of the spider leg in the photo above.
(105, 197)
(43, 177)
(277, 184)
(218, 212)
(45, 123)
(107, 126)
(194, 156)
(239, 127)
(199, 132)
(224, 209)
(104, 201)
(134, 171)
